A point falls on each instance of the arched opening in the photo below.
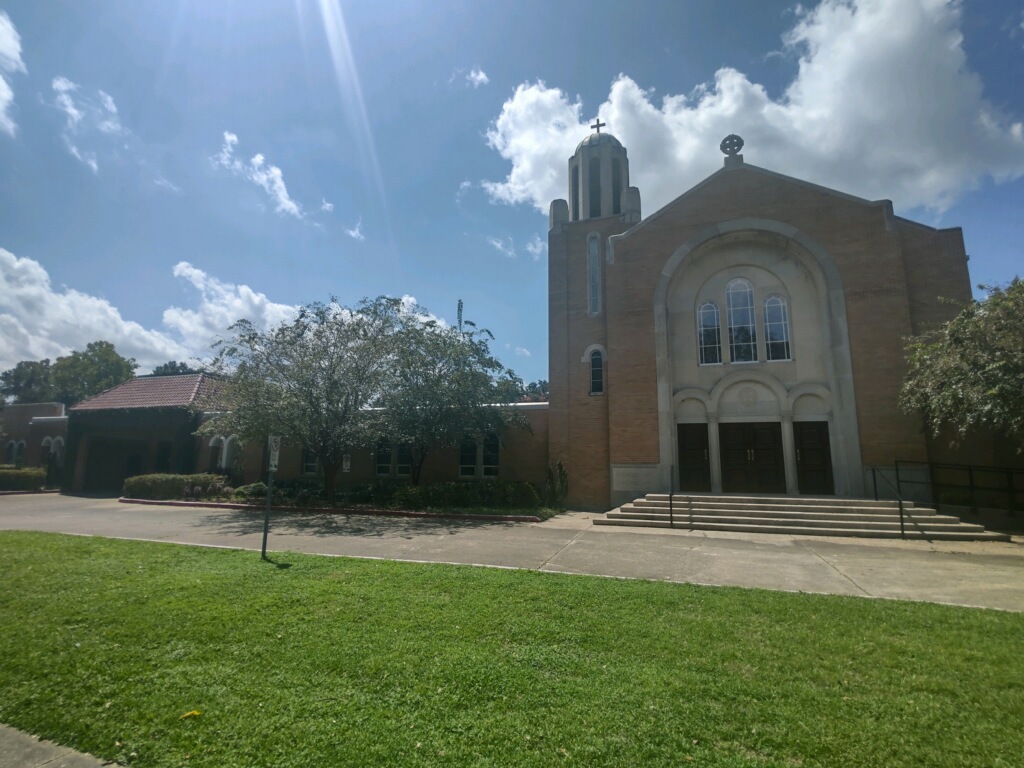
(575, 193)
(594, 187)
(616, 187)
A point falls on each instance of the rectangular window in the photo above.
(490, 455)
(403, 459)
(709, 334)
(739, 298)
(467, 458)
(309, 462)
(383, 460)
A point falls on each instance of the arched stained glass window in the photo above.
(709, 334)
(739, 299)
(776, 328)
(596, 373)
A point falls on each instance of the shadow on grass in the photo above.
(276, 564)
(338, 524)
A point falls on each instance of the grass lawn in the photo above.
(107, 645)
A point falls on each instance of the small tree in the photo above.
(311, 380)
(970, 372)
(447, 386)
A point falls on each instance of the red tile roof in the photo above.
(153, 392)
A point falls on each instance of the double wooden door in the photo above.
(752, 458)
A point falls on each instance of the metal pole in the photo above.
(903, 533)
(266, 514)
(874, 482)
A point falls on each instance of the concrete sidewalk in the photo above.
(19, 750)
(980, 574)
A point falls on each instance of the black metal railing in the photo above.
(966, 485)
(877, 472)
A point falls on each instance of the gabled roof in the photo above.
(154, 392)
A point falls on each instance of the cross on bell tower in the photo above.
(598, 125)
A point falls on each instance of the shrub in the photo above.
(456, 495)
(251, 492)
(166, 486)
(557, 487)
(524, 496)
(31, 479)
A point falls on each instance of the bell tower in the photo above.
(599, 178)
(581, 368)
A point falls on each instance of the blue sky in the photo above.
(166, 168)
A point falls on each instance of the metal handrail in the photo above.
(1013, 491)
(874, 482)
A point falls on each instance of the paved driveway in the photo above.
(986, 574)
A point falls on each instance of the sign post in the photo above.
(275, 451)
(346, 469)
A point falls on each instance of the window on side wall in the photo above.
(467, 458)
(383, 458)
(309, 462)
(596, 373)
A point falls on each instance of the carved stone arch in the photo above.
(817, 390)
(822, 267)
(737, 377)
(591, 350)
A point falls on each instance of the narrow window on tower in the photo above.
(576, 193)
(616, 187)
(594, 187)
(776, 328)
(596, 373)
(709, 334)
(594, 274)
(739, 300)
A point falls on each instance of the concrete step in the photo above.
(795, 515)
(808, 516)
(912, 532)
(878, 523)
(793, 501)
(772, 506)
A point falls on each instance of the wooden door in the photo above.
(752, 460)
(694, 464)
(813, 457)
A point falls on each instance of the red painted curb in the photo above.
(18, 493)
(337, 510)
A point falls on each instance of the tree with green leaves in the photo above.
(536, 391)
(447, 387)
(312, 380)
(86, 373)
(970, 372)
(174, 368)
(29, 381)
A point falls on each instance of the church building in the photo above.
(746, 338)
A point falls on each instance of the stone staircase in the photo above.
(796, 515)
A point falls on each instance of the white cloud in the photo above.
(504, 246)
(537, 247)
(38, 321)
(10, 61)
(883, 105)
(477, 77)
(220, 305)
(522, 352)
(326, 206)
(464, 187)
(356, 233)
(87, 118)
(267, 177)
(160, 181)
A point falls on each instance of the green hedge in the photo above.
(31, 479)
(467, 494)
(173, 487)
